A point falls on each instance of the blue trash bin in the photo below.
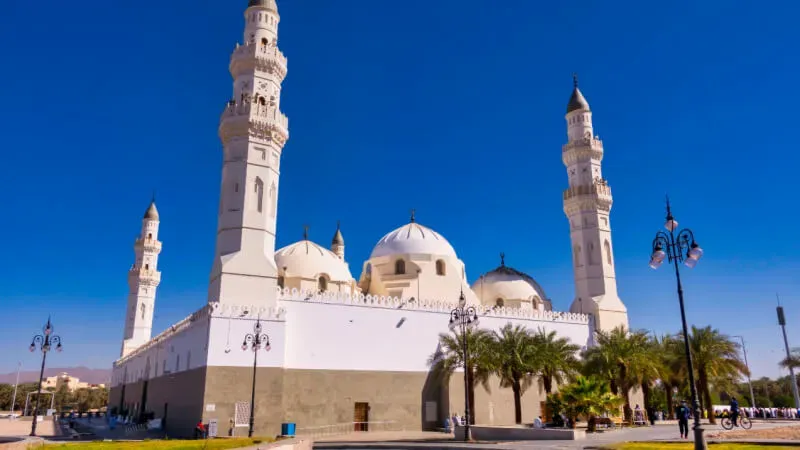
(287, 429)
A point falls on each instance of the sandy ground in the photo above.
(23, 427)
(790, 432)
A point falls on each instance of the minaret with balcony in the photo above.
(587, 204)
(143, 280)
(253, 132)
(337, 243)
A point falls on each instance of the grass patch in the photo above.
(690, 446)
(210, 444)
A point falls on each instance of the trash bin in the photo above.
(287, 429)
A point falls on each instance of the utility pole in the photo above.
(16, 385)
(749, 383)
(782, 323)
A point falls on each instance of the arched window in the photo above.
(399, 267)
(440, 267)
(281, 281)
(499, 302)
(264, 41)
(259, 194)
(149, 235)
(576, 255)
(147, 267)
(607, 246)
(322, 284)
(591, 255)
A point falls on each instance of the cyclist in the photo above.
(734, 410)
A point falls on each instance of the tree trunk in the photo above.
(548, 385)
(646, 394)
(471, 397)
(591, 425)
(703, 390)
(517, 389)
(626, 392)
(614, 387)
(670, 404)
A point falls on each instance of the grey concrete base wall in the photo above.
(495, 406)
(483, 433)
(179, 395)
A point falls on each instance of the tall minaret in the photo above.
(587, 204)
(337, 243)
(143, 279)
(253, 132)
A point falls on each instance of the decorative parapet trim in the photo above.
(435, 306)
(178, 327)
(248, 312)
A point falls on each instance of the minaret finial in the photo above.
(502, 259)
(305, 232)
(338, 225)
(154, 196)
(413, 214)
(575, 79)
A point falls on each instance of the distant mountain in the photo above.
(94, 376)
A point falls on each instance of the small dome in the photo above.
(310, 260)
(152, 212)
(413, 238)
(507, 283)
(269, 4)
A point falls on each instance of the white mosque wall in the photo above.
(365, 333)
(328, 331)
(180, 347)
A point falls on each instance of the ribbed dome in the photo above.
(310, 260)
(152, 212)
(269, 4)
(508, 284)
(413, 238)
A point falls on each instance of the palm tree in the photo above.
(557, 359)
(449, 357)
(648, 369)
(671, 369)
(793, 360)
(716, 358)
(516, 361)
(620, 357)
(588, 397)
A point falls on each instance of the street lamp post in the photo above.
(16, 385)
(749, 383)
(462, 319)
(44, 343)
(677, 248)
(254, 342)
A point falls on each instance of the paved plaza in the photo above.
(410, 440)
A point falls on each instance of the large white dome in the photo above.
(309, 260)
(413, 238)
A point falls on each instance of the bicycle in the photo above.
(743, 422)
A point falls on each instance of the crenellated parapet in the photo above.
(254, 56)
(248, 312)
(433, 306)
(596, 196)
(582, 149)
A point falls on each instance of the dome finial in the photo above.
(305, 232)
(502, 259)
(152, 212)
(413, 214)
(576, 101)
(338, 239)
(575, 79)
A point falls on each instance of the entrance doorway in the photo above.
(361, 417)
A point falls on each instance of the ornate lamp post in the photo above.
(463, 319)
(44, 342)
(254, 342)
(677, 248)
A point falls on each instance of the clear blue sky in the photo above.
(452, 107)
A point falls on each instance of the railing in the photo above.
(260, 51)
(347, 428)
(264, 113)
(149, 243)
(593, 142)
(598, 188)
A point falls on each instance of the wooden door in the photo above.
(361, 417)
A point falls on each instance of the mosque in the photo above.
(336, 349)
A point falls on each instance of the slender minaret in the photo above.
(253, 132)
(337, 243)
(143, 279)
(587, 204)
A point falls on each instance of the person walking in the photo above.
(683, 414)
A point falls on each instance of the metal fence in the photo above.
(347, 428)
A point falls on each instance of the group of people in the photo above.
(763, 413)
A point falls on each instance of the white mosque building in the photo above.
(340, 349)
